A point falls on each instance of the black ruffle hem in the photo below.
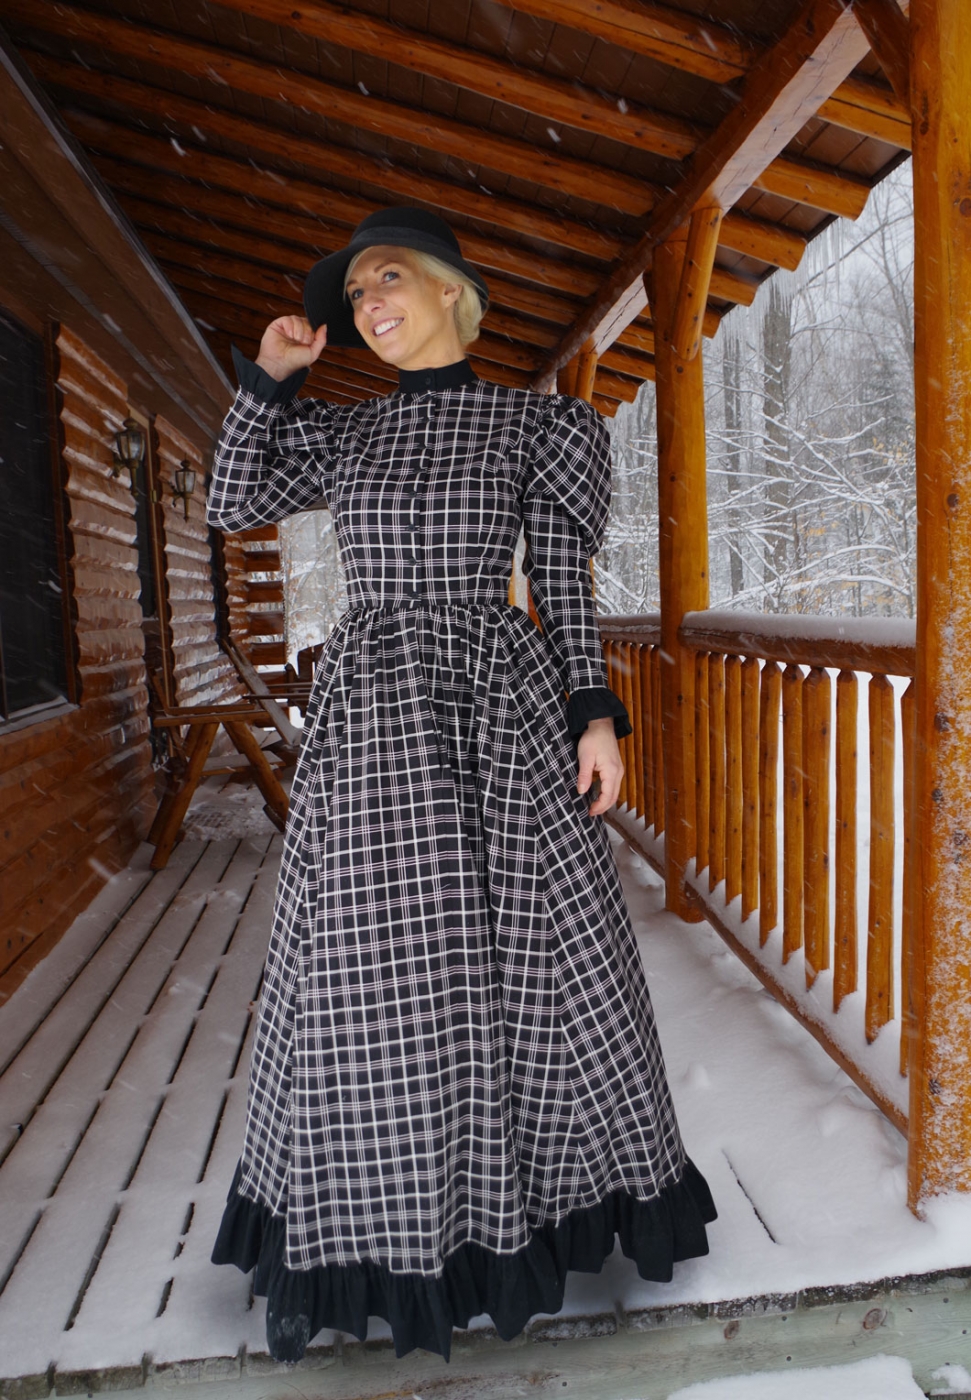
(510, 1288)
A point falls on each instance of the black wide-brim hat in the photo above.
(324, 299)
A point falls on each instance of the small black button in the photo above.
(428, 379)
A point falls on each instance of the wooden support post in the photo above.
(586, 372)
(699, 262)
(940, 1103)
(683, 511)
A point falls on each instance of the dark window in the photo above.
(32, 662)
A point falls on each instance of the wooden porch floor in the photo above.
(123, 1060)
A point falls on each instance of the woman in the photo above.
(456, 1093)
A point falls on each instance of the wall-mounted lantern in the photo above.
(129, 449)
(184, 483)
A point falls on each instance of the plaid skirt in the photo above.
(457, 1092)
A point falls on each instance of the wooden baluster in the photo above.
(750, 785)
(627, 781)
(716, 765)
(792, 811)
(908, 731)
(659, 807)
(770, 696)
(733, 778)
(845, 932)
(647, 742)
(879, 949)
(816, 728)
(702, 774)
(636, 774)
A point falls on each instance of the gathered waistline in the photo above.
(427, 605)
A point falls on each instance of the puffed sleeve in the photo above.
(275, 454)
(565, 505)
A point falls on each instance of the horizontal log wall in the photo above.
(76, 789)
(202, 672)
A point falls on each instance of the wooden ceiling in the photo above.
(561, 139)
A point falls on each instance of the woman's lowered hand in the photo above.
(290, 343)
(598, 754)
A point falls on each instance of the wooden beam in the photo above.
(564, 174)
(940, 1065)
(445, 136)
(683, 525)
(401, 181)
(885, 26)
(695, 281)
(783, 88)
(554, 99)
(696, 44)
(301, 197)
(756, 238)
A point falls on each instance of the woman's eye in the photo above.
(355, 294)
(389, 273)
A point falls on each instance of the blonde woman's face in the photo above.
(405, 316)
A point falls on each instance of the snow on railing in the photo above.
(802, 852)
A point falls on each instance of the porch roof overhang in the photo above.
(562, 140)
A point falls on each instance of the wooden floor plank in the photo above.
(42, 1150)
(161, 1198)
(37, 1304)
(23, 1009)
(31, 1072)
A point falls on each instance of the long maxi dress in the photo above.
(457, 1092)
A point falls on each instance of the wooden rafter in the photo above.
(779, 247)
(783, 88)
(709, 50)
(825, 189)
(155, 152)
(885, 26)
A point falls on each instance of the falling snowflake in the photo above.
(622, 105)
(364, 90)
(176, 146)
(554, 135)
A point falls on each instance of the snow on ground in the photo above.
(879, 1378)
(808, 1176)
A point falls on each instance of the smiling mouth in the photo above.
(383, 327)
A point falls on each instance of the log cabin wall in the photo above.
(76, 789)
(201, 671)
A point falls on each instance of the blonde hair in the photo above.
(467, 308)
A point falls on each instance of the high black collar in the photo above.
(427, 381)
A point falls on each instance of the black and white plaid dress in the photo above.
(457, 1093)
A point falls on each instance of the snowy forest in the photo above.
(810, 424)
(810, 416)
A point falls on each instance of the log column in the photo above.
(683, 511)
(940, 1121)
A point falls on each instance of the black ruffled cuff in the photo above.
(596, 702)
(254, 379)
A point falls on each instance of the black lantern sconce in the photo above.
(184, 483)
(129, 449)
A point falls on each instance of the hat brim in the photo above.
(323, 293)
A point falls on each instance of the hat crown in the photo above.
(403, 220)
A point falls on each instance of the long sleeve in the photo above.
(565, 507)
(275, 454)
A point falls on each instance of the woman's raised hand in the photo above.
(290, 343)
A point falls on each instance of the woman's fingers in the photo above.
(598, 754)
(290, 343)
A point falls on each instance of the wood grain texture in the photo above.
(879, 957)
(770, 705)
(940, 65)
(733, 778)
(845, 970)
(749, 678)
(716, 770)
(792, 812)
(816, 741)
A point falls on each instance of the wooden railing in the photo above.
(789, 768)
